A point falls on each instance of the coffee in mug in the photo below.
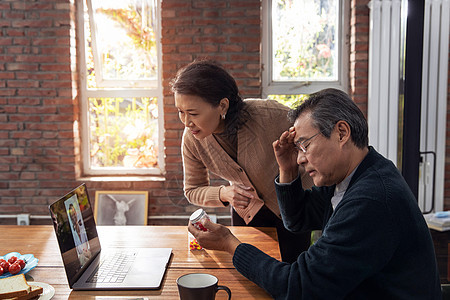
(197, 286)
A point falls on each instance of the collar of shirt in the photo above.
(340, 189)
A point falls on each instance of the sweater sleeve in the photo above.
(301, 210)
(196, 179)
(350, 250)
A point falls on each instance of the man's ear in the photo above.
(344, 131)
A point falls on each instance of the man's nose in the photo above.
(301, 157)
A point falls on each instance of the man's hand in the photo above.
(238, 196)
(218, 237)
(286, 156)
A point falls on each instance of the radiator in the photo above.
(385, 51)
(434, 105)
(384, 75)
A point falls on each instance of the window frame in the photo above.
(270, 87)
(106, 92)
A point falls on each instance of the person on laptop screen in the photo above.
(78, 230)
(76, 235)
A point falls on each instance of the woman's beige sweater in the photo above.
(255, 167)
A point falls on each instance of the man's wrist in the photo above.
(288, 176)
(233, 244)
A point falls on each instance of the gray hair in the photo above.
(329, 106)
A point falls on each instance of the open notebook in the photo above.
(87, 265)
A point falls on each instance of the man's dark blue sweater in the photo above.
(374, 245)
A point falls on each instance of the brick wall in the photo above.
(36, 105)
(359, 52)
(39, 134)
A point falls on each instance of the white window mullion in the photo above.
(95, 50)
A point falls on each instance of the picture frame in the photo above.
(121, 207)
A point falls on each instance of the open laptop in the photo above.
(88, 267)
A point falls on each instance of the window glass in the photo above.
(305, 46)
(304, 42)
(121, 43)
(120, 80)
(291, 101)
(124, 132)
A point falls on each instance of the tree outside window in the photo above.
(120, 87)
(304, 48)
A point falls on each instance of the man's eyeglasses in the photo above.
(303, 145)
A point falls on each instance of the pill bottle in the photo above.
(196, 219)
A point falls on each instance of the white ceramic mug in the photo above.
(197, 286)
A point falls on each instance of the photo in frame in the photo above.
(121, 207)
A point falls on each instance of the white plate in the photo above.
(48, 292)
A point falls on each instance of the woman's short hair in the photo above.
(210, 81)
(329, 106)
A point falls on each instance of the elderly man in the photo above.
(375, 243)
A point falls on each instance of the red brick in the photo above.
(241, 57)
(7, 92)
(11, 208)
(31, 23)
(243, 39)
(190, 48)
(22, 84)
(231, 48)
(21, 67)
(210, 30)
(209, 4)
(167, 4)
(36, 93)
(9, 126)
(210, 39)
(233, 13)
(55, 50)
(6, 75)
(5, 23)
(15, 32)
(207, 48)
(187, 13)
(24, 118)
(21, 41)
(176, 22)
(35, 58)
(177, 40)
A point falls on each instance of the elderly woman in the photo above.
(232, 138)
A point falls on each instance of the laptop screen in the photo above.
(74, 224)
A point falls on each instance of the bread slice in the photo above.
(14, 286)
(35, 292)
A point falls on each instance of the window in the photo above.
(120, 84)
(304, 46)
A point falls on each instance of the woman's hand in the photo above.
(218, 237)
(238, 196)
(286, 155)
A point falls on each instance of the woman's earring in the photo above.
(223, 117)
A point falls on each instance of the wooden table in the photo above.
(441, 240)
(40, 241)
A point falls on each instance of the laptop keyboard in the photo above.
(113, 268)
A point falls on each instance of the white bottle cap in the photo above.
(197, 215)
